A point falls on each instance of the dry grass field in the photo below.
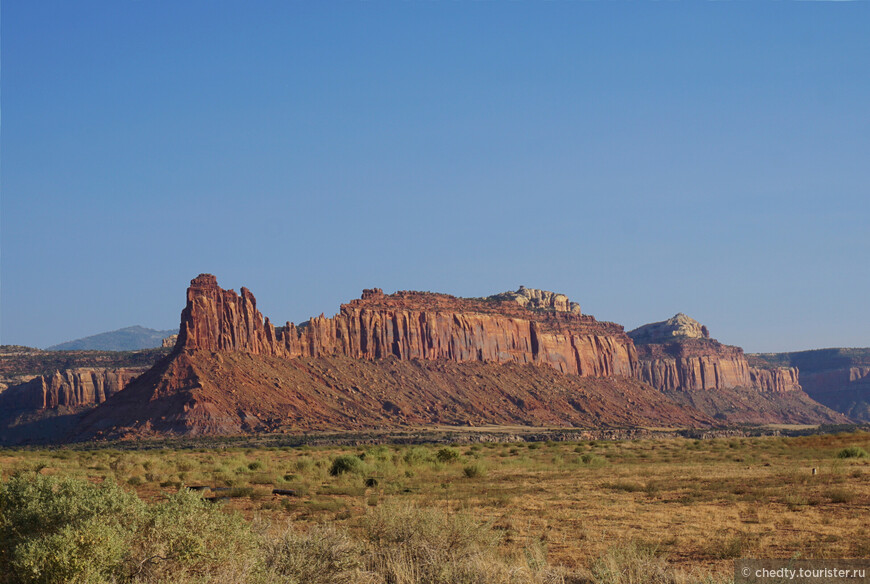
(691, 506)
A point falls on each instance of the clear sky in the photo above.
(643, 158)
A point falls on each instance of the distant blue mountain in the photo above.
(125, 339)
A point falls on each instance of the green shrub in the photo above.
(416, 455)
(63, 529)
(447, 454)
(852, 452)
(303, 464)
(592, 460)
(186, 536)
(407, 544)
(840, 495)
(346, 463)
(424, 538)
(91, 551)
(69, 530)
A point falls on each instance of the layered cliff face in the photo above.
(45, 407)
(678, 355)
(73, 388)
(777, 379)
(846, 390)
(415, 325)
(34, 381)
(412, 358)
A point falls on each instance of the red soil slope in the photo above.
(199, 392)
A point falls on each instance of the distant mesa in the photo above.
(131, 338)
(837, 378)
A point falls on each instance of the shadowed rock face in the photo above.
(415, 325)
(40, 391)
(838, 378)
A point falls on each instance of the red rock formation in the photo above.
(410, 325)
(692, 364)
(72, 388)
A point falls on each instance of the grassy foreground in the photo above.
(667, 510)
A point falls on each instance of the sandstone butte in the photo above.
(679, 355)
(415, 325)
(407, 359)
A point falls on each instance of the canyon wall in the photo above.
(834, 380)
(415, 325)
(73, 388)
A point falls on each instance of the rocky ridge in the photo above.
(409, 358)
(406, 360)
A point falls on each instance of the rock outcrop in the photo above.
(679, 358)
(679, 355)
(415, 325)
(678, 326)
(845, 389)
(539, 300)
(42, 393)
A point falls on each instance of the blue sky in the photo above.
(645, 159)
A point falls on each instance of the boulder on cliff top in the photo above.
(539, 300)
(678, 326)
